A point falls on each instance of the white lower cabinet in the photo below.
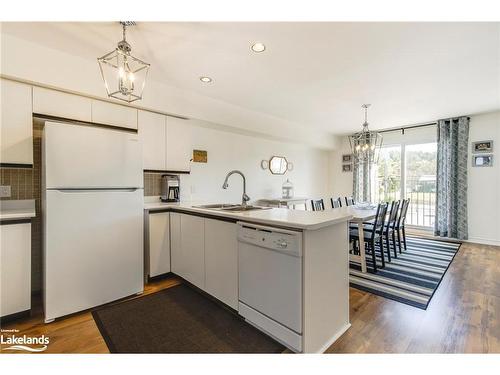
(221, 261)
(205, 253)
(159, 243)
(188, 249)
(15, 268)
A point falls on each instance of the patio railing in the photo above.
(420, 190)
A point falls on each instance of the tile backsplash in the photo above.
(20, 181)
(152, 184)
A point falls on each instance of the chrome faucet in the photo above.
(244, 198)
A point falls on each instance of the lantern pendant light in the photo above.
(366, 144)
(124, 75)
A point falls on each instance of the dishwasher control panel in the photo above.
(271, 238)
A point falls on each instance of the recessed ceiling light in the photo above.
(258, 47)
(206, 79)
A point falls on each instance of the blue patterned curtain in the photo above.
(362, 182)
(451, 194)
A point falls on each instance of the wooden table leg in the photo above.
(362, 246)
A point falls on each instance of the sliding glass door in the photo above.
(388, 184)
(409, 171)
(420, 183)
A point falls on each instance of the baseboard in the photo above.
(334, 338)
(483, 241)
(15, 316)
(473, 240)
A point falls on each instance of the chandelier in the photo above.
(124, 75)
(366, 144)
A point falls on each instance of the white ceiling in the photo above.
(316, 75)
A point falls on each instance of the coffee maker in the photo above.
(170, 188)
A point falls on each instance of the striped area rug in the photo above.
(412, 277)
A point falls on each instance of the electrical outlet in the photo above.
(5, 191)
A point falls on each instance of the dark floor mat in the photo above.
(178, 320)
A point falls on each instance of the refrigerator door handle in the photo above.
(83, 190)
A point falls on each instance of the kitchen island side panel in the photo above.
(326, 286)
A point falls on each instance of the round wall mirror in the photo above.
(278, 165)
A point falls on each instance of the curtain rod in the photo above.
(403, 128)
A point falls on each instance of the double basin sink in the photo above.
(231, 207)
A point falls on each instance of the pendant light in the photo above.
(124, 75)
(366, 144)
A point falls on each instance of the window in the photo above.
(408, 170)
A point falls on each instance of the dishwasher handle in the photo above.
(243, 224)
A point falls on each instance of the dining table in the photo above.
(360, 215)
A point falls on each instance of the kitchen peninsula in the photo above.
(285, 271)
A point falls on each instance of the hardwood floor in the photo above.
(463, 316)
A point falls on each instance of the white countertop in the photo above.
(17, 209)
(306, 220)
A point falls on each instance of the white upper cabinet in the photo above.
(179, 144)
(114, 114)
(16, 123)
(152, 132)
(61, 104)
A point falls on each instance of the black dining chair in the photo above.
(400, 223)
(336, 203)
(317, 205)
(374, 236)
(389, 231)
(390, 226)
(349, 201)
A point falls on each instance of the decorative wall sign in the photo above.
(347, 158)
(347, 163)
(482, 160)
(200, 156)
(347, 168)
(482, 147)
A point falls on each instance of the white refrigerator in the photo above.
(92, 204)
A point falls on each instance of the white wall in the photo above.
(228, 151)
(339, 183)
(484, 183)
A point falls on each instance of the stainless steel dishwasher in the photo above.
(270, 281)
